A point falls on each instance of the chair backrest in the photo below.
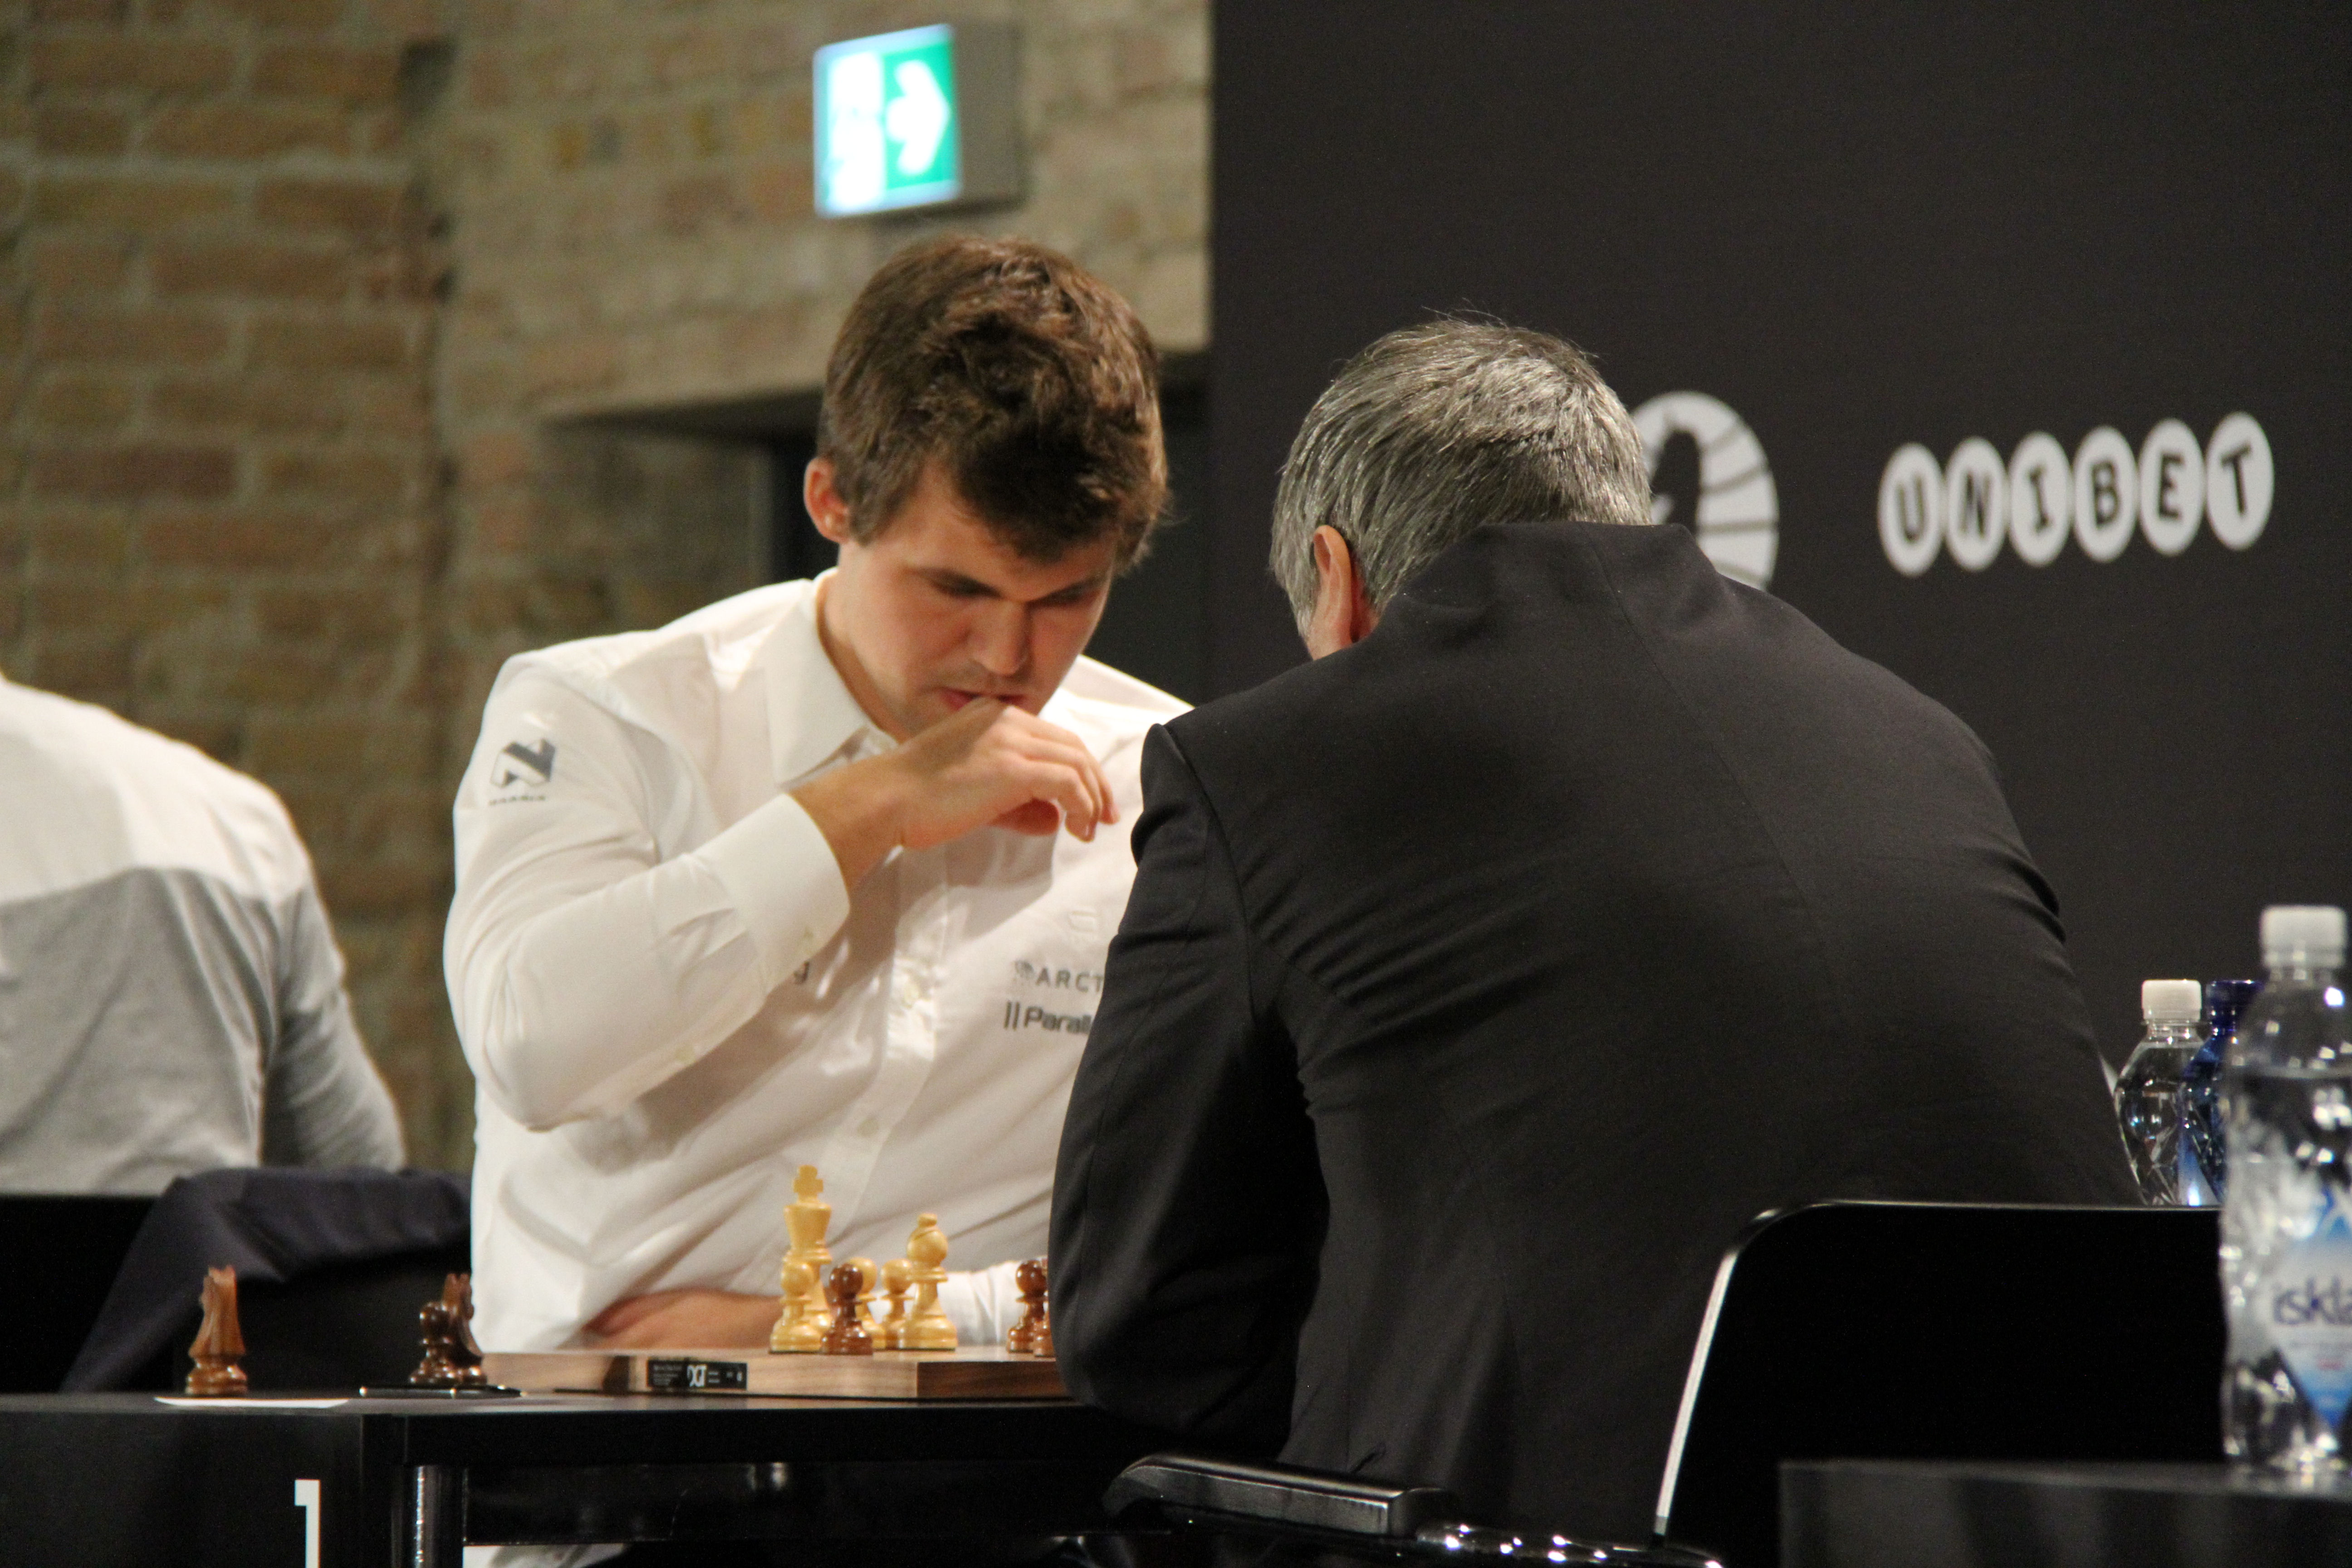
(62, 1252)
(338, 1327)
(333, 1267)
(1943, 1332)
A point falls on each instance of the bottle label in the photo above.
(2310, 1288)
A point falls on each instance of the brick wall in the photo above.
(315, 313)
(221, 516)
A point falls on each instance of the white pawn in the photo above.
(928, 1327)
(798, 1331)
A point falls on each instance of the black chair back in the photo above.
(333, 1329)
(333, 1267)
(63, 1252)
(1943, 1332)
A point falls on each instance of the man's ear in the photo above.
(1343, 615)
(825, 507)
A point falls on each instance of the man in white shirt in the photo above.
(816, 875)
(171, 996)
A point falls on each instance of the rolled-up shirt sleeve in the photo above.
(584, 968)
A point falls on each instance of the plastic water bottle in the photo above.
(2204, 1158)
(2286, 1226)
(2148, 1092)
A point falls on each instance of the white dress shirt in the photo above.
(171, 996)
(670, 1002)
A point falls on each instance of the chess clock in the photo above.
(923, 118)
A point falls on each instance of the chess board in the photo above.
(981, 1373)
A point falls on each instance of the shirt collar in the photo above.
(811, 714)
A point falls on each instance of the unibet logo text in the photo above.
(1968, 505)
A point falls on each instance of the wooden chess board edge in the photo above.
(972, 1373)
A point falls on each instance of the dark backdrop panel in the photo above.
(1861, 230)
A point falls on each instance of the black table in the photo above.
(1916, 1514)
(98, 1480)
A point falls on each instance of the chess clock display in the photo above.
(926, 117)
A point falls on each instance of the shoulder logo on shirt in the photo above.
(522, 765)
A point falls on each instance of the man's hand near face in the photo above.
(985, 764)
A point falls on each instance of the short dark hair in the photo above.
(1029, 379)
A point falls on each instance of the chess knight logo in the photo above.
(1707, 473)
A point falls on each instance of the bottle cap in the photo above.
(2170, 1001)
(2308, 935)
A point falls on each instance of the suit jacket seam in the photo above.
(1250, 940)
(1715, 744)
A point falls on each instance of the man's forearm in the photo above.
(576, 1009)
(858, 809)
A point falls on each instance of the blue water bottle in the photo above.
(2204, 1160)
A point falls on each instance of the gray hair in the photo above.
(1437, 429)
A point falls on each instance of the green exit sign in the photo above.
(923, 118)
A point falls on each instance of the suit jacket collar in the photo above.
(1567, 561)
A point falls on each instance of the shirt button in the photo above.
(911, 990)
(869, 1127)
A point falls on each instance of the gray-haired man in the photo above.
(1483, 977)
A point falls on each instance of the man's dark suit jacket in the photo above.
(1481, 982)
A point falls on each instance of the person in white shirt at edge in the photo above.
(819, 874)
(171, 996)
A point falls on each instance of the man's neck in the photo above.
(846, 663)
